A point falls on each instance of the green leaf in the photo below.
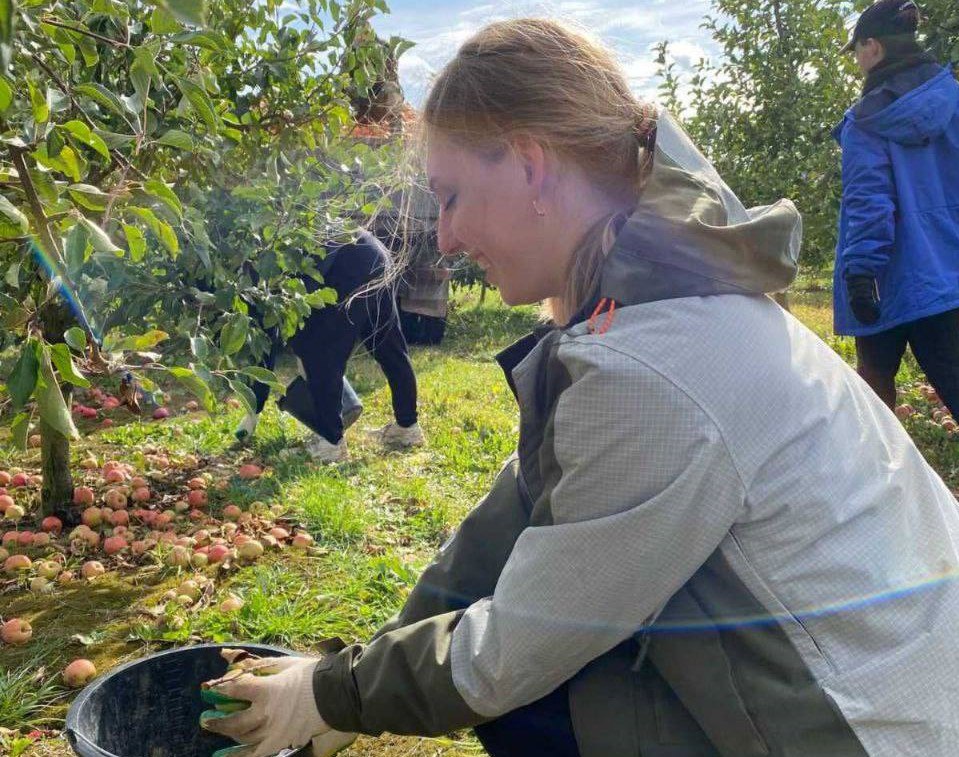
(81, 132)
(264, 376)
(63, 360)
(53, 408)
(6, 95)
(101, 95)
(13, 223)
(245, 394)
(19, 428)
(234, 332)
(176, 138)
(88, 196)
(101, 242)
(200, 102)
(12, 276)
(168, 238)
(164, 194)
(140, 77)
(69, 159)
(321, 298)
(188, 11)
(137, 343)
(196, 385)
(163, 22)
(148, 217)
(76, 247)
(40, 102)
(206, 40)
(23, 378)
(200, 347)
(76, 338)
(136, 243)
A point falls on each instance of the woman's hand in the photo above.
(282, 712)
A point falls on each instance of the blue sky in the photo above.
(630, 27)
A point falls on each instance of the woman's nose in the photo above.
(446, 241)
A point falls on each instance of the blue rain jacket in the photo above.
(899, 220)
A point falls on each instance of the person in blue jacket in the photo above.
(896, 279)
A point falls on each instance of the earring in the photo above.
(539, 211)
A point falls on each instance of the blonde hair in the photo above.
(550, 82)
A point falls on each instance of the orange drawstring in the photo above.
(607, 321)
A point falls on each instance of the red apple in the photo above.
(16, 631)
(197, 498)
(250, 471)
(138, 481)
(302, 540)
(218, 553)
(51, 524)
(92, 569)
(25, 539)
(78, 673)
(120, 518)
(232, 512)
(19, 479)
(92, 517)
(142, 494)
(114, 544)
(15, 563)
(83, 495)
(41, 539)
(5, 478)
(160, 413)
(5, 501)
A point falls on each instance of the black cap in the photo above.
(886, 18)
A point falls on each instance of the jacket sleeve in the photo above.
(646, 491)
(869, 203)
(401, 681)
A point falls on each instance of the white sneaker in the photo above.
(396, 436)
(247, 427)
(323, 451)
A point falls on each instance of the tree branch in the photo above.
(85, 32)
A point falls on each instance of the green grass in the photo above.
(377, 520)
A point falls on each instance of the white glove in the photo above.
(282, 712)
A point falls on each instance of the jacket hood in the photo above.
(918, 116)
(690, 235)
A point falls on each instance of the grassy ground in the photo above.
(377, 521)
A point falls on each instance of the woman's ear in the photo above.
(535, 163)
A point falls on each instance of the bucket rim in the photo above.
(72, 735)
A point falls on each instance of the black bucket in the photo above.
(151, 707)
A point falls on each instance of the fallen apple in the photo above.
(16, 563)
(19, 479)
(5, 501)
(232, 512)
(250, 471)
(16, 631)
(231, 604)
(41, 539)
(41, 585)
(51, 524)
(83, 495)
(78, 673)
(5, 478)
(197, 498)
(49, 569)
(14, 513)
(114, 544)
(302, 540)
(160, 413)
(92, 569)
(92, 517)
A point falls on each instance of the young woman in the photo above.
(715, 539)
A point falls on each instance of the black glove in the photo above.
(863, 298)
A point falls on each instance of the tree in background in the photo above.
(161, 170)
(763, 113)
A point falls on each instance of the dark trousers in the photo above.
(324, 346)
(541, 728)
(934, 342)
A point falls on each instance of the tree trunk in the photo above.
(56, 494)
